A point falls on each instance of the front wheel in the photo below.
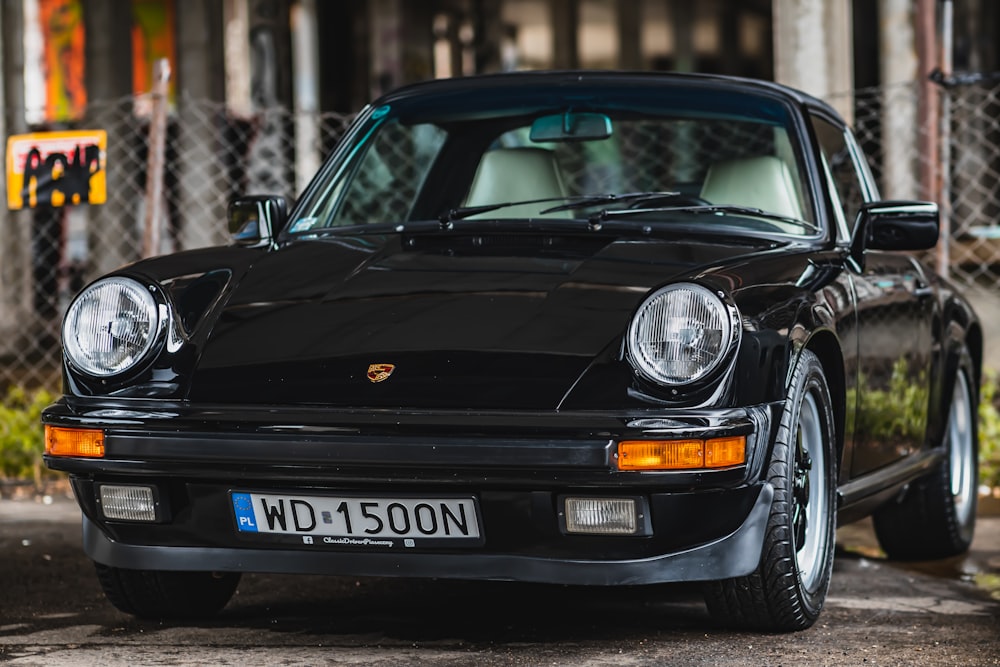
(160, 594)
(787, 590)
(936, 516)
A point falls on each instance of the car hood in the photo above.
(461, 321)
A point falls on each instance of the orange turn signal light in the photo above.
(682, 454)
(86, 442)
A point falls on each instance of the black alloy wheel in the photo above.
(787, 590)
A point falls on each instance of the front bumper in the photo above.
(705, 524)
(736, 554)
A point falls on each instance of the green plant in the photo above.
(896, 412)
(895, 408)
(22, 441)
(989, 431)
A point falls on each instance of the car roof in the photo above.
(600, 78)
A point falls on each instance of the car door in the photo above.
(894, 315)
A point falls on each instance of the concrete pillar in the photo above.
(200, 55)
(201, 186)
(630, 34)
(418, 42)
(113, 228)
(344, 56)
(898, 62)
(15, 226)
(682, 18)
(3, 96)
(489, 36)
(402, 43)
(108, 49)
(305, 64)
(812, 47)
(800, 45)
(236, 57)
(565, 24)
(838, 17)
(732, 55)
(269, 167)
(386, 18)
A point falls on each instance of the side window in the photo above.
(839, 159)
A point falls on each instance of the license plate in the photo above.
(359, 521)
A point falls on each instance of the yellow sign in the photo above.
(57, 168)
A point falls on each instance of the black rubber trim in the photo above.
(593, 454)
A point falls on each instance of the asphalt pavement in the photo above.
(53, 613)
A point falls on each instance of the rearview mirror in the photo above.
(255, 220)
(571, 126)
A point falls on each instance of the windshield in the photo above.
(520, 153)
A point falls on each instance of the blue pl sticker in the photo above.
(243, 505)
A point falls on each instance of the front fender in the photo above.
(194, 285)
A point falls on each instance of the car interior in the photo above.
(761, 181)
(517, 174)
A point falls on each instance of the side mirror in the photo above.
(255, 220)
(898, 225)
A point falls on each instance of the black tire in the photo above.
(159, 594)
(787, 590)
(936, 516)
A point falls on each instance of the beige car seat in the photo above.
(763, 182)
(517, 174)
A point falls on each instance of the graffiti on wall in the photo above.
(56, 169)
(63, 55)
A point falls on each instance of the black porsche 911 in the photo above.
(578, 328)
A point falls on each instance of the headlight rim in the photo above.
(712, 371)
(155, 341)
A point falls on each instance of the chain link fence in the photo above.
(210, 156)
(956, 163)
(48, 254)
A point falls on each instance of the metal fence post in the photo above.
(929, 102)
(944, 243)
(156, 159)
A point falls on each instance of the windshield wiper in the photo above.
(592, 200)
(570, 203)
(466, 211)
(608, 213)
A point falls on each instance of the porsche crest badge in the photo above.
(380, 372)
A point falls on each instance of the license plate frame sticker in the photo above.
(356, 521)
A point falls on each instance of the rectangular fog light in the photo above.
(603, 516)
(127, 503)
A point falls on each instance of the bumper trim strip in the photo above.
(593, 454)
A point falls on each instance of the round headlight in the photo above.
(681, 334)
(110, 326)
